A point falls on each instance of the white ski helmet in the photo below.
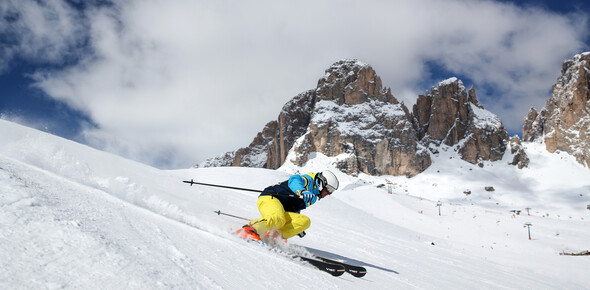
(328, 180)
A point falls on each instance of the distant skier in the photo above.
(280, 204)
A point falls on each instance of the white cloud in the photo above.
(40, 31)
(197, 78)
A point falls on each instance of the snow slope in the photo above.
(75, 217)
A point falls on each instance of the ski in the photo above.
(335, 268)
(332, 269)
(353, 270)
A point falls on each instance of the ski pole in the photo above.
(191, 182)
(231, 215)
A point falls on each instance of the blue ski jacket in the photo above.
(297, 193)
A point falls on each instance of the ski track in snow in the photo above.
(74, 217)
(77, 221)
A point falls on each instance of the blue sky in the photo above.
(171, 83)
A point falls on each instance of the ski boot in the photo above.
(248, 232)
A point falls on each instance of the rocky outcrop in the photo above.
(534, 125)
(520, 158)
(450, 115)
(353, 119)
(360, 121)
(349, 116)
(564, 123)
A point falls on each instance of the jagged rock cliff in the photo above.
(356, 118)
(564, 123)
(352, 117)
(452, 116)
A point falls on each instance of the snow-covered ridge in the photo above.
(484, 118)
(343, 68)
(292, 103)
(448, 81)
(451, 81)
(343, 63)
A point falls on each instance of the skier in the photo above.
(280, 204)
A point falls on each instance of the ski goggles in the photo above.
(323, 183)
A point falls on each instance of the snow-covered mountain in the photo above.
(564, 123)
(350, 115)
(75, 217)
(357, 120)
(451, 115)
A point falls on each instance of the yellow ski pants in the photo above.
(274, 217)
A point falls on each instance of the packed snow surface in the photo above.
(75, 217)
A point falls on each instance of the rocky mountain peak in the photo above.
(360, 121)
(564, 123)
(352, 82)
(451, 115)
(353, 119)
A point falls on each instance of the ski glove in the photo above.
(308, 197)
